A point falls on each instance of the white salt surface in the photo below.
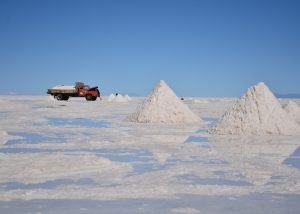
(51, 98)
(202, 101)
(65, 144)
(257, 112)
(293, 110)
(163, 106)
(186, 210)
(37, 168)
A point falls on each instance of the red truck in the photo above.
(62, 92)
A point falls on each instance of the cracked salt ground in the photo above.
(46, 185)
(118, 154)
(210, 121)
(193, 179)
(258, 203)
(276, 180)
(192, 139)
(142, 160)
(196, 160)
(125, 155)
(294, 159)
(161, 164)
(141, 168)
(138, 157)
(152, 165)
(33, 138)
(260, 159)
(81, 122)
(27, 150)
(197, 139)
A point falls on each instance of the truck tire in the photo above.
(89, 97)
(66, 98)
(60, 97)
(94, 98)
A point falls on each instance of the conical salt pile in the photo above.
(120, 99)
(257, 112)
(293, 110)
(111, 97)
(127, 97)
(163, 106)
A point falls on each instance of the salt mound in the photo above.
(111, 97)
(293, 110)
(119, 98)
(257, 112)
(163, 106)
(127, 97)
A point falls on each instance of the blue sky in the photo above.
(199, 47)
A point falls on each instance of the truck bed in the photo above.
(62, 89)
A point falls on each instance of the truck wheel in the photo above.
(89, 97)
(94, 98)
(66, 98)
(59, 97)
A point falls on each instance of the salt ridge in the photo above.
(118, 98)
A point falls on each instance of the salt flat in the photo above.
(86, 153)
